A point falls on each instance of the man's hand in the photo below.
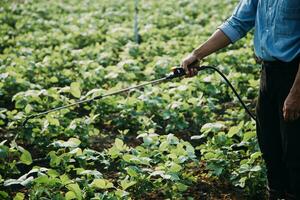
(291, 107)
(186, 64)
(217, 41)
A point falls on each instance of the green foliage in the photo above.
(233, 155)
(128, 146)
(10, 156)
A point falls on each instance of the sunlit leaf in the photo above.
(75, 89)
(26, 157)
(19, 196)
(74, 187)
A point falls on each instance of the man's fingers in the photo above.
(285, 116)
(296, 115)
(185, 67)
(188, 64)
(194, 70)
(285, 113)
(290, 115)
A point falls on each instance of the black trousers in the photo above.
(279, 140)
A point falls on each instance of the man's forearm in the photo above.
(217, 41)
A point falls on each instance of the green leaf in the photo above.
(166, 176)
(28, 108)
(75, 89)
(175, 167)
(95, 173)
(70, 195)
(119, 144)
(3, 151)
(121, 193)
(181, 187)
(19, 196)
(242, 182)
(141, 160)
(233, 131)
(53, 121)
(132, 171)
(74, 187)
(163, 146)
(101, 184)
(190, 151)
(65, 179)
(126, 184)
(216, 169)
(255, 168)
(53, 79)
(41, 179)
(210, 155)
(173, 176)
(249, 135)
(20, 103)
(244, 168)
(26, 157)
(212, 127)
(172, 139)
(113, 152)
(3, 195)
(72, 142)
(53, 173)
(127, 157)
(54, 159)
(256, 155)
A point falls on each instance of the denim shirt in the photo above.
(277, 27)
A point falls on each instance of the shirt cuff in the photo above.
(230, 32)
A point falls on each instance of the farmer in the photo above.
(277, 47)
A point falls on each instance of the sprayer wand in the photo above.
(176, 72)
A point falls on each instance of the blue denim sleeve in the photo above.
(241, 21)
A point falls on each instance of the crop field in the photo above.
(188, 138)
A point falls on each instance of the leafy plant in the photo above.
(133, 145)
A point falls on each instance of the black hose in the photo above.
(232, 88)
(180, 72)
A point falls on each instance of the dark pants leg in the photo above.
(279, 141)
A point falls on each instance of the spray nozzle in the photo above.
(176, 72)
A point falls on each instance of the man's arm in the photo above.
(291, 107)
(241, 21)
(217, 41)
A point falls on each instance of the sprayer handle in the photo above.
(179, 72)
(194, 65)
